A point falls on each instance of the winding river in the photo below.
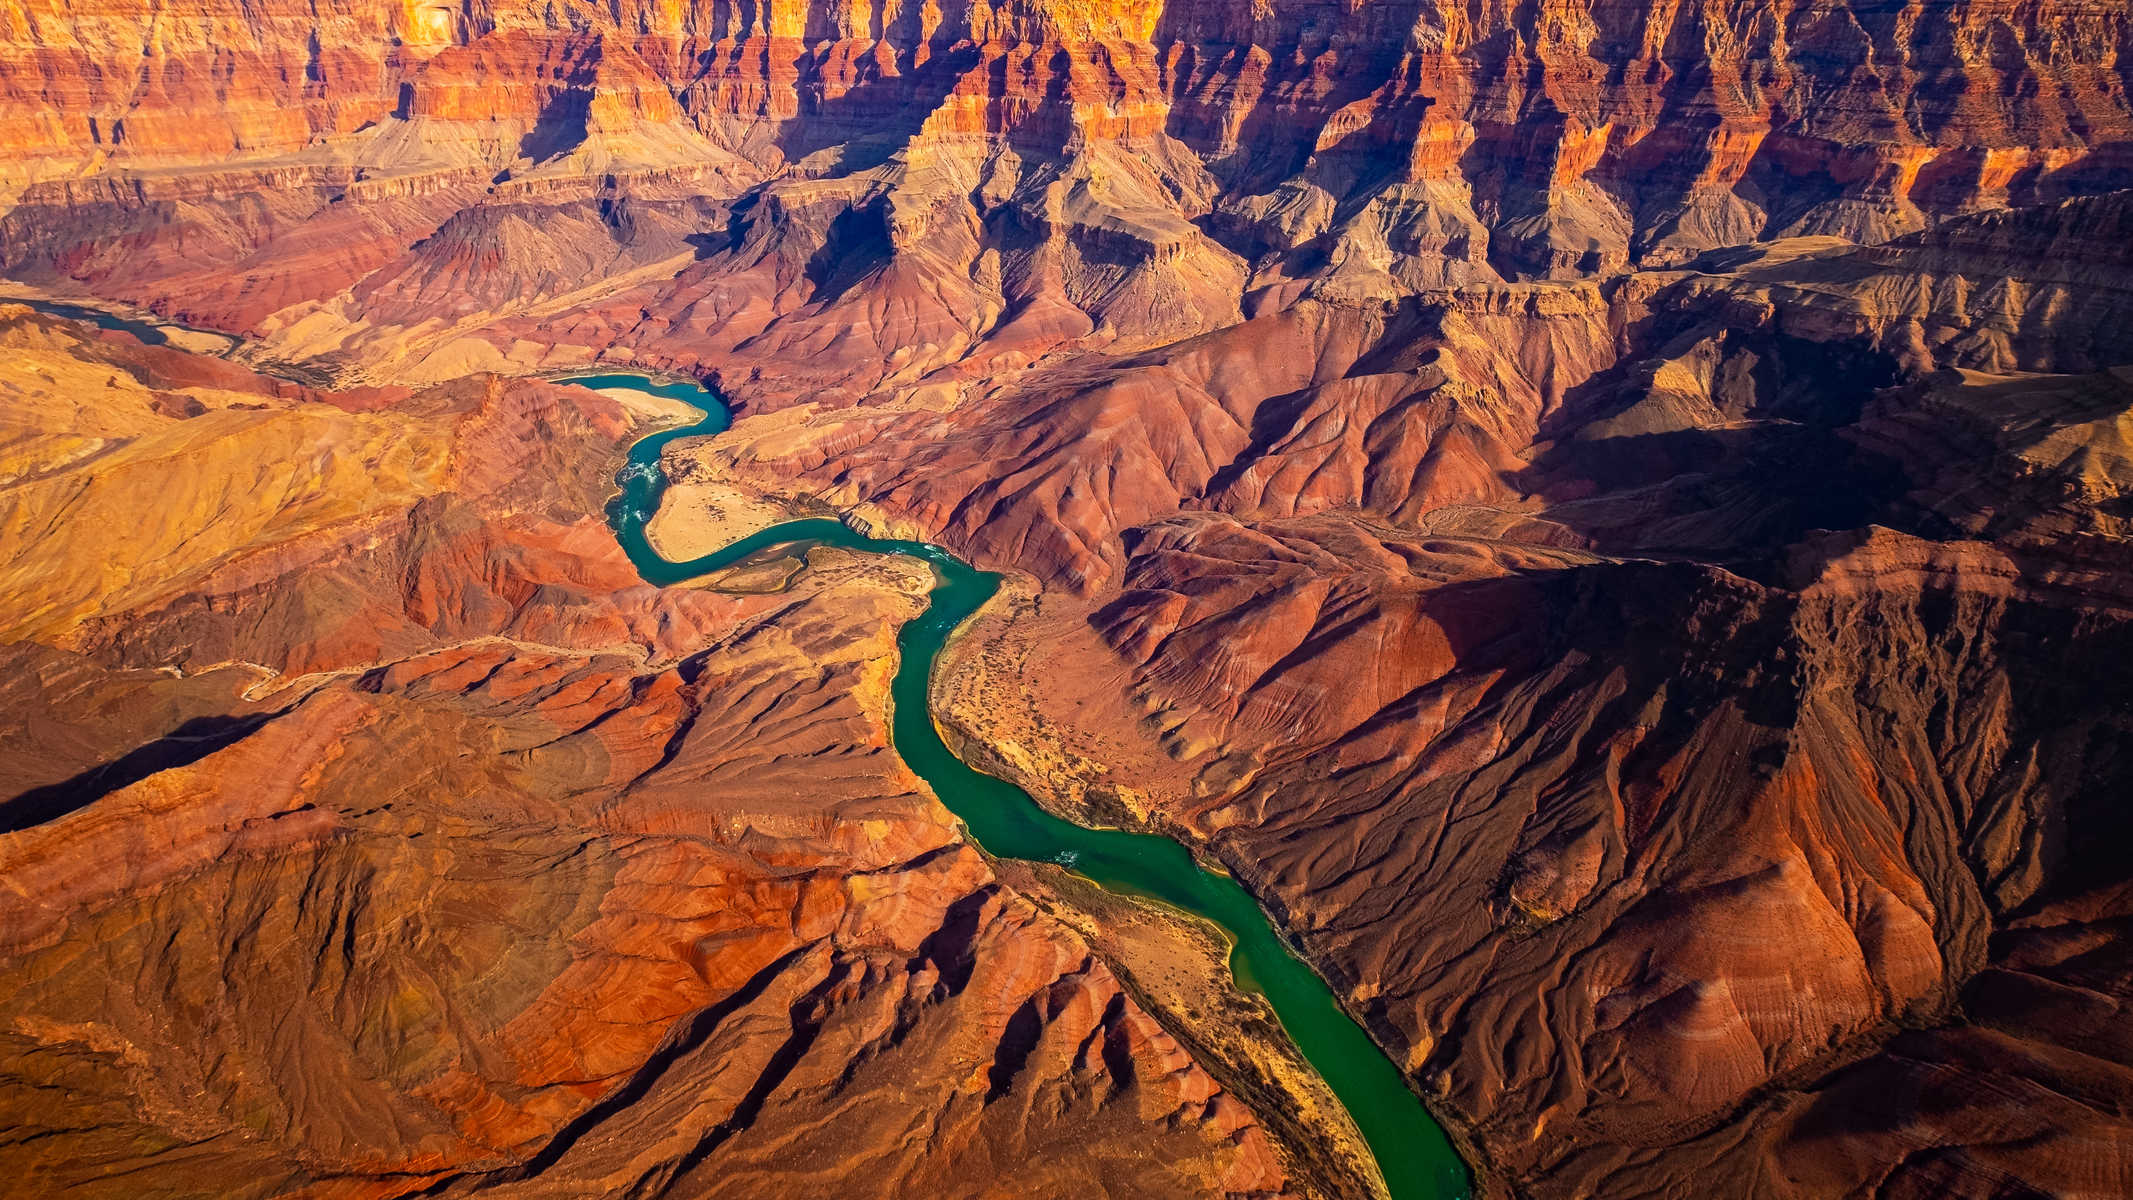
(1412, 1152)
(1417, 1160)
(150, 333)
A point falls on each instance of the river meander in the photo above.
(1417, 1160)
(150, 332)
(1412, 1152)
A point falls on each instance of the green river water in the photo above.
(1417, 1160)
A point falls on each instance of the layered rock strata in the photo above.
(857, 196)
(1683, 714)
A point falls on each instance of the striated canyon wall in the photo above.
(1028, 161)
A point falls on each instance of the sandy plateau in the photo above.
(700, 517)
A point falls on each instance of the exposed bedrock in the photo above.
(846, 199)
(1521, 411)
(1610, 519)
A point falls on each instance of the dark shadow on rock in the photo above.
(879, 114)
(855, 246)
(1780, 466)
(1017, 1043)
(560, 129)
(183, 746)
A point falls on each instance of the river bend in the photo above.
(1412, 1151)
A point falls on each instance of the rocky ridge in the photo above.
(1675, 763)
(849, 198)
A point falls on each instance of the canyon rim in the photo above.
(1590, 538)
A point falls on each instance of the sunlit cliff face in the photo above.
(1702, 96)
(427, 25)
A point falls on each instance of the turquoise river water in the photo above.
(1417, 1160)
(1412, 1152)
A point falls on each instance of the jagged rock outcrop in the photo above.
(1667, 839)
(914, 189)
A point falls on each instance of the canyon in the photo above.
(1609, 521)
(400, 840)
